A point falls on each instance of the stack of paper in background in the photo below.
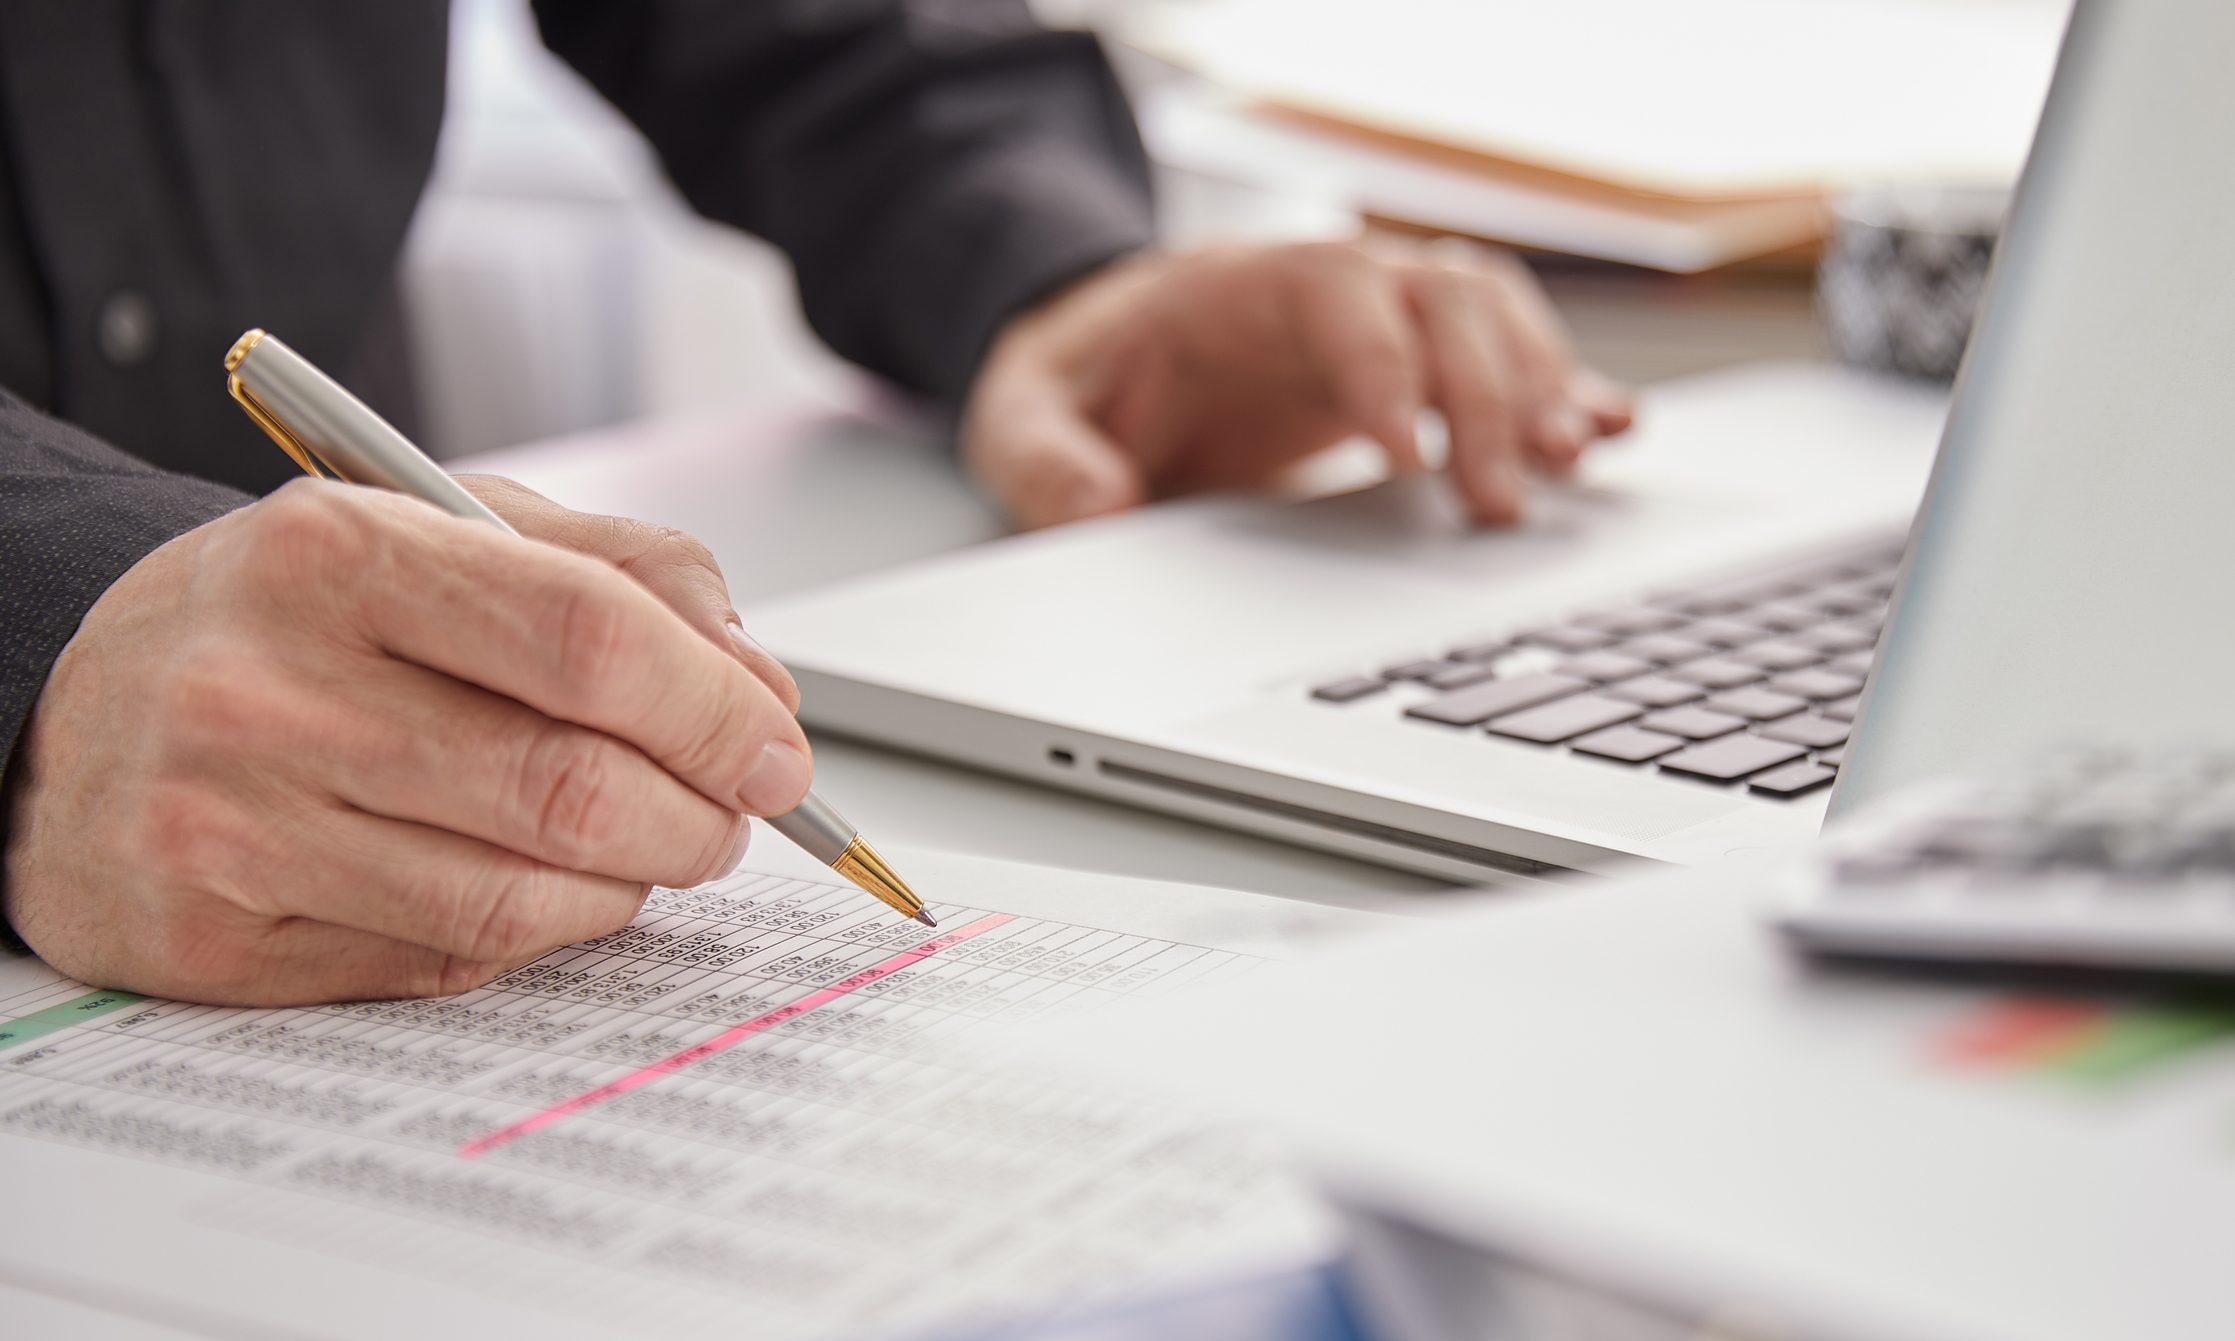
(1679, 135)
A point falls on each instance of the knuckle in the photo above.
(504, 923)
(589, 636)
(307, 524)
(214, 692)
(734, 735)
(567, 784)
(206, 954)
(188, 836)
(453, 974)
(679, 548)
(1502, 266)
(1453, 287)
(1481, 397)
(623, 913)
(713, 853)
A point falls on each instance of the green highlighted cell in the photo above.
(2132, 1042)
(42, 1022)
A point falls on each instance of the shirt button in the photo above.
(125, 328)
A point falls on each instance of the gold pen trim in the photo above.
(295, 448)
(861, 864)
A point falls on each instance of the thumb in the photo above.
(1054, 467)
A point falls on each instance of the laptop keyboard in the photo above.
(2088, 856)
(1747, 682)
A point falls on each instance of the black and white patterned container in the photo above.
(1901, 278)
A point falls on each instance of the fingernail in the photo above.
(777, 781)
(1581, 424)
(1602, 399)
(737, 848)
(756, 659)
(1510, 486)
(1560, 432)
(744, 641)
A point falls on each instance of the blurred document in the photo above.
(1220, 135)
(1703, 99)
(764, 1109)
(1632, 1110)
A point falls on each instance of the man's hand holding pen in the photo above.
(338, 744)
(343, 744)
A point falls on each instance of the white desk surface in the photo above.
(805, 493)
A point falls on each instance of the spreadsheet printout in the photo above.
(762, 1109)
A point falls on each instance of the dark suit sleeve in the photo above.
(931, 166)
(75, 513)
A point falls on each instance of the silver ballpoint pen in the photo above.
(331, 433)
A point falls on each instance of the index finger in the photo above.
(672, 565)
(577, 641)
(1352, 320)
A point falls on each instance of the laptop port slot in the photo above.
(1325, 819)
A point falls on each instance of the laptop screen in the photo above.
(2069, 577)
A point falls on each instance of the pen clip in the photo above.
(280, 433)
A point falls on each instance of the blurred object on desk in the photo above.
(1634, 1104)
(1645, 327)
(2095, 858)
(1295, 1305)
(1901, 280)
(1202, 129)
(1705, 100)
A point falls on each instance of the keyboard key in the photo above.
(1753, 590)
(1349, 691)
(1474, 706)
(1564, 718)
(1797, 580)
(1832, 758)
(1785, 616)
(1856, 664)
(1458, 677)
(1414, 670)
(1490, 651)
(1629, 744)
(1730, 758)
(1632, 623)
(1816, 683)
(1837, 638)
(1657, 691)
(1698, 604)
(1664, 649)
(1716, 673)
(1760, 705)
(1778, 655)
(1574, 638)
(1717, 632)
(1843, 601)
(1604, 666)
(1694, 723)
(1791, 780)
(1980, 841)
(1816, 733)
(1843, 710)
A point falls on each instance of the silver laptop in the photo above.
(1667, 661)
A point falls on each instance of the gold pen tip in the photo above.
(861, 864)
